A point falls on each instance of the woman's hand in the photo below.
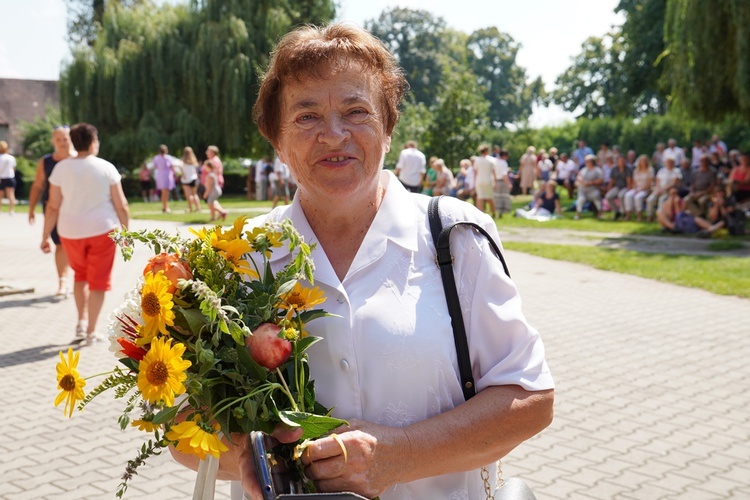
(46, 246)
(246, 461)
(363, 458)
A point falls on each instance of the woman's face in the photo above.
(61, 140)
(332, 133)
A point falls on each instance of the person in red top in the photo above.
(739, 180)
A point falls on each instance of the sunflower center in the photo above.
(157, 373)
(68, 383)
(150, 304)
(295, 299)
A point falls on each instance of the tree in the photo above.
(178, 75)
(416, 39)
(492, 58)
(37, 134)
(595, 84)
(708, 55)
(459, 118)
(85, 18)
(643, 42)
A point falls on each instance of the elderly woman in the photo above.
(86, 202)
(328, 104)
(39, 189)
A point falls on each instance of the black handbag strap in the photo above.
(444, 260)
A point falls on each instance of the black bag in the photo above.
(736, 222)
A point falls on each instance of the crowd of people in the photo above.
(160, 177)
(702, 192)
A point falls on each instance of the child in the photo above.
(212, 193)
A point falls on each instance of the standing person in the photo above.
(86, 202)
(213, 192)
(718, 146)
(7, 177)
(40, 189)
(485, 180)
(411, 167)
(604, 155)
(527, 170)
(674, 151)
(501, 193)
(580, 154)
(189, 179)
(656, 157)
(144, 177)
(164, 175)
(212, 153)
(392, 339)
(280, 183)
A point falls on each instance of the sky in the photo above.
(550, 32)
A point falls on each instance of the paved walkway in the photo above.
(651, 401)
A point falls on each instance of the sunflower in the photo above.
(301, 298)
(235, 232)
(145, 425)
(263, 239)
(69, 381)
(162, 371)
(156, 307)
(232, 251)
(194, 437)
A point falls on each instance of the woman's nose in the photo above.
(334, 130)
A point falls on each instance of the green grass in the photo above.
(236, 205)
(721, 275)
(725, 246)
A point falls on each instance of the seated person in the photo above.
(565, 171)
(590, 178)
(444, 180)
(675, 219)
(547, 204)
(620, 182)
(665, 178)
(701, 187)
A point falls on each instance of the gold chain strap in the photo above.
(499, 481)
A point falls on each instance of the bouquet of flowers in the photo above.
(211, 343)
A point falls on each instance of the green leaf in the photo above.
(166, 415)
(253, 369)
(190, 319)
(286, 287)
(238, 334)
(130, 363)
(314, 314)
(303, 344)
(314, 426)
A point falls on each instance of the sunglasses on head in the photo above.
(61, 127)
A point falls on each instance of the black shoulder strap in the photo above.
(444, 260)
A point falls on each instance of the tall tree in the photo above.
(595, 84)
(643, 42)
(85, 18)
(492, 58)
(460, 119)
(178, 75)
(416, 39)
(708, 47)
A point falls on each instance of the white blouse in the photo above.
(390, 358)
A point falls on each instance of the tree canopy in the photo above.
(178, 75)
(708, 53)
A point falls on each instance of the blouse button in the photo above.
(344, 365)
(340, 299)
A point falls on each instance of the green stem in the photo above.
(99, 375)
(231, 401)
(286, 389)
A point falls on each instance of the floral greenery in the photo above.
(182, 333)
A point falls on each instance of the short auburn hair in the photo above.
(311, 52)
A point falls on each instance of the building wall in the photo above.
(23, 100)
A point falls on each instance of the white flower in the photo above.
(125, 314)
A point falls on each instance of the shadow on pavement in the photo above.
(34, 354)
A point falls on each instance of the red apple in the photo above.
(267, 348)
